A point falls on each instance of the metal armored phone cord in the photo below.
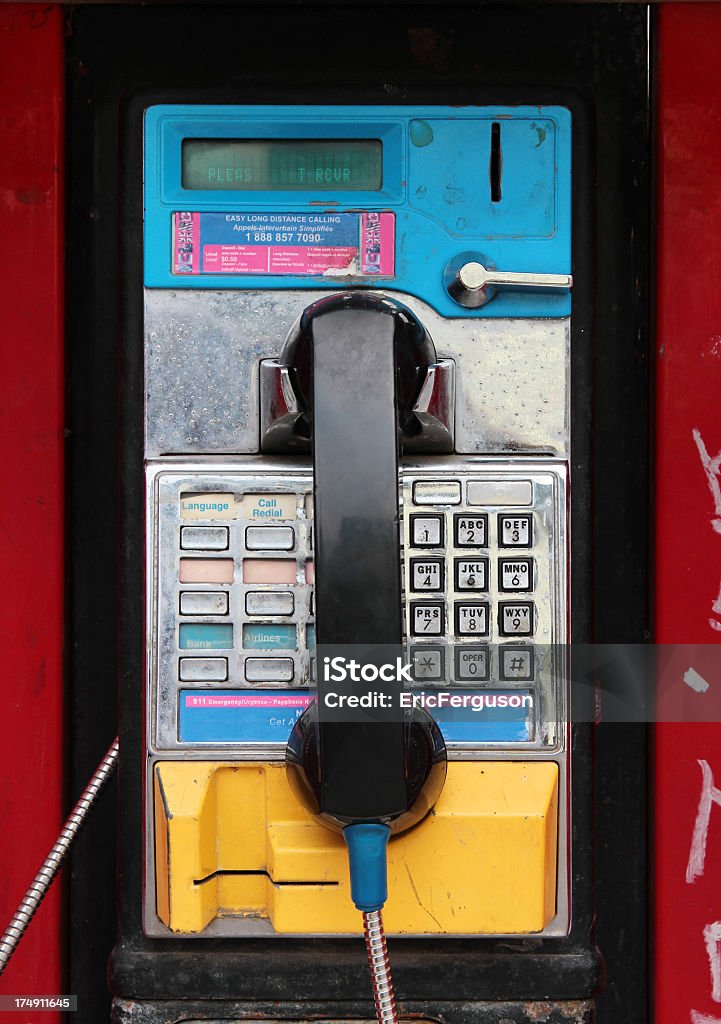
(54, 860)
(369, 890)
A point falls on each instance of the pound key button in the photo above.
(516, 618)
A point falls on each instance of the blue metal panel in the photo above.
(267, 716)
(435, 182)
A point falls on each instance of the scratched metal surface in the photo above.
(202, 350)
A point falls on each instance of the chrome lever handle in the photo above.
(474, 284)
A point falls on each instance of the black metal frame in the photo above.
(588, 57)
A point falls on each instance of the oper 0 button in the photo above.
(515, 574)
(472, 619)
(471, 531)
(471, 573)
(516, 663)
(426, 574)
(426, 531)
(515, 531)
(515, 618)
(472, 663)
(427, 619)
(427, 663)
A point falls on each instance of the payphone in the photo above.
(439, 240)
(356, 330)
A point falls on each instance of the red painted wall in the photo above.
(31, 484)
(688, 543)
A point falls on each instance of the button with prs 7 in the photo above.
(427, 619)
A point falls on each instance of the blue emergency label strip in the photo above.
(267, 716)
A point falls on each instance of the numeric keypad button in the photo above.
(516, 618)
(427, 619)
(515, 530)
(472, 663)
(426, 574)
(427, 663)
(471, 531)
(516, 663)
(427, 531)
(515, 574)
(472, 619)
(471, 573)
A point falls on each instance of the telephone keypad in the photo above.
(241, 616)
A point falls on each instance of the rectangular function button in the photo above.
(471, 573)
(269, 670)
(427, 619)
(437, 492)
(206, 636)
(426, 574)
(427, 531)
(516, 618)
(515, 531)
(203, 670)
(472, 662)
(269, 602)
(268, 636)
(500, 492)
(206, 570)
(270, 538)
(472, 619)
(515, 574)
(471, 531)
(268, 570)
(204, 538)
(207, 506)
(203, 603)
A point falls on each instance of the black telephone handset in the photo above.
(358, 363)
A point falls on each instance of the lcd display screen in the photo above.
(283, 165)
